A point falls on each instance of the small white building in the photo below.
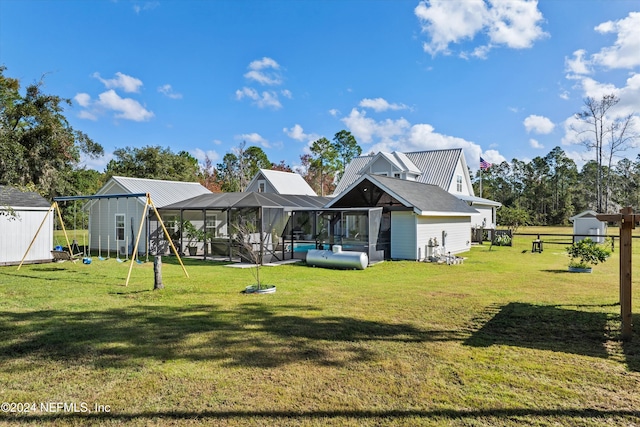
(586, 224)
(114, 222)
(21, 213)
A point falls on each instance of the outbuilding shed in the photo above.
(21, 213)
(586, 224)
(113, 222)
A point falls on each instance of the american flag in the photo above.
(484, 165)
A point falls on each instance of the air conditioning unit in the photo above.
(123, 250)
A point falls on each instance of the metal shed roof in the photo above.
(162, 192)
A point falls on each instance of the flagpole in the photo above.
(481, 182)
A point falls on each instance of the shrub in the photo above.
(586, 252)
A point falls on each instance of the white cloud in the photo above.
(364, 129)
(144, 6)
(201, 155)
(334, 112)
(126, 108)
(167, 91)
(122, 81)
(449, 22)
(538, 124)
(83, 99)
(264, 71)
(262, 78)
(297, 133)
(381, 104)
(262, 100)
(535, 144)
(265, 62)
(625, 53)
(514, 24)
(577, 65)
(98, 164)
(400, 135)
(254, 139)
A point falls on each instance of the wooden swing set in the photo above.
(69, 255)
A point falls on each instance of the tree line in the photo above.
(41, 152)
(549, 190)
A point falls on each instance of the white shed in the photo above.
(21, 213)
(114, 222)
(586, 224)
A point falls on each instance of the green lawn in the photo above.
(507, 338)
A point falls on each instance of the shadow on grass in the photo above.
(490, 416)
(251, 335)
(554, 328)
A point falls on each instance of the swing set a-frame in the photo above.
(148, 203)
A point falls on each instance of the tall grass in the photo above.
(507, 338)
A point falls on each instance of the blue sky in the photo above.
(498, 79)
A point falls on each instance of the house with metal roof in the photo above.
(21, 214)
(279, 182)
(446, 169)
(114, 222)
(418, 220)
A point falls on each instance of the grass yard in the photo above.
(507, 338)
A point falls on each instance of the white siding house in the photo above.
(445, 168)
(20, 216)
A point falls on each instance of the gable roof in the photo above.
(436, 167)
(399, 160)
(162, 192)
(12, 197)
(424, 199)
(285, 182)
(585, 214)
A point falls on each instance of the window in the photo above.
(262, 186)
(210, 226)
(459, 183)
(396, 175)
(119, 226)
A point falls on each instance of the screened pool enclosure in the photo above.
(278, 227)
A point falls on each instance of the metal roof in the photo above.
(285, 182)
(162, 192)
(436, 167)
(478, 200)
(424, 199)
(220, 201)
(12, 197)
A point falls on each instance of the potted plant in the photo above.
(586, 253)
(193, 236)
